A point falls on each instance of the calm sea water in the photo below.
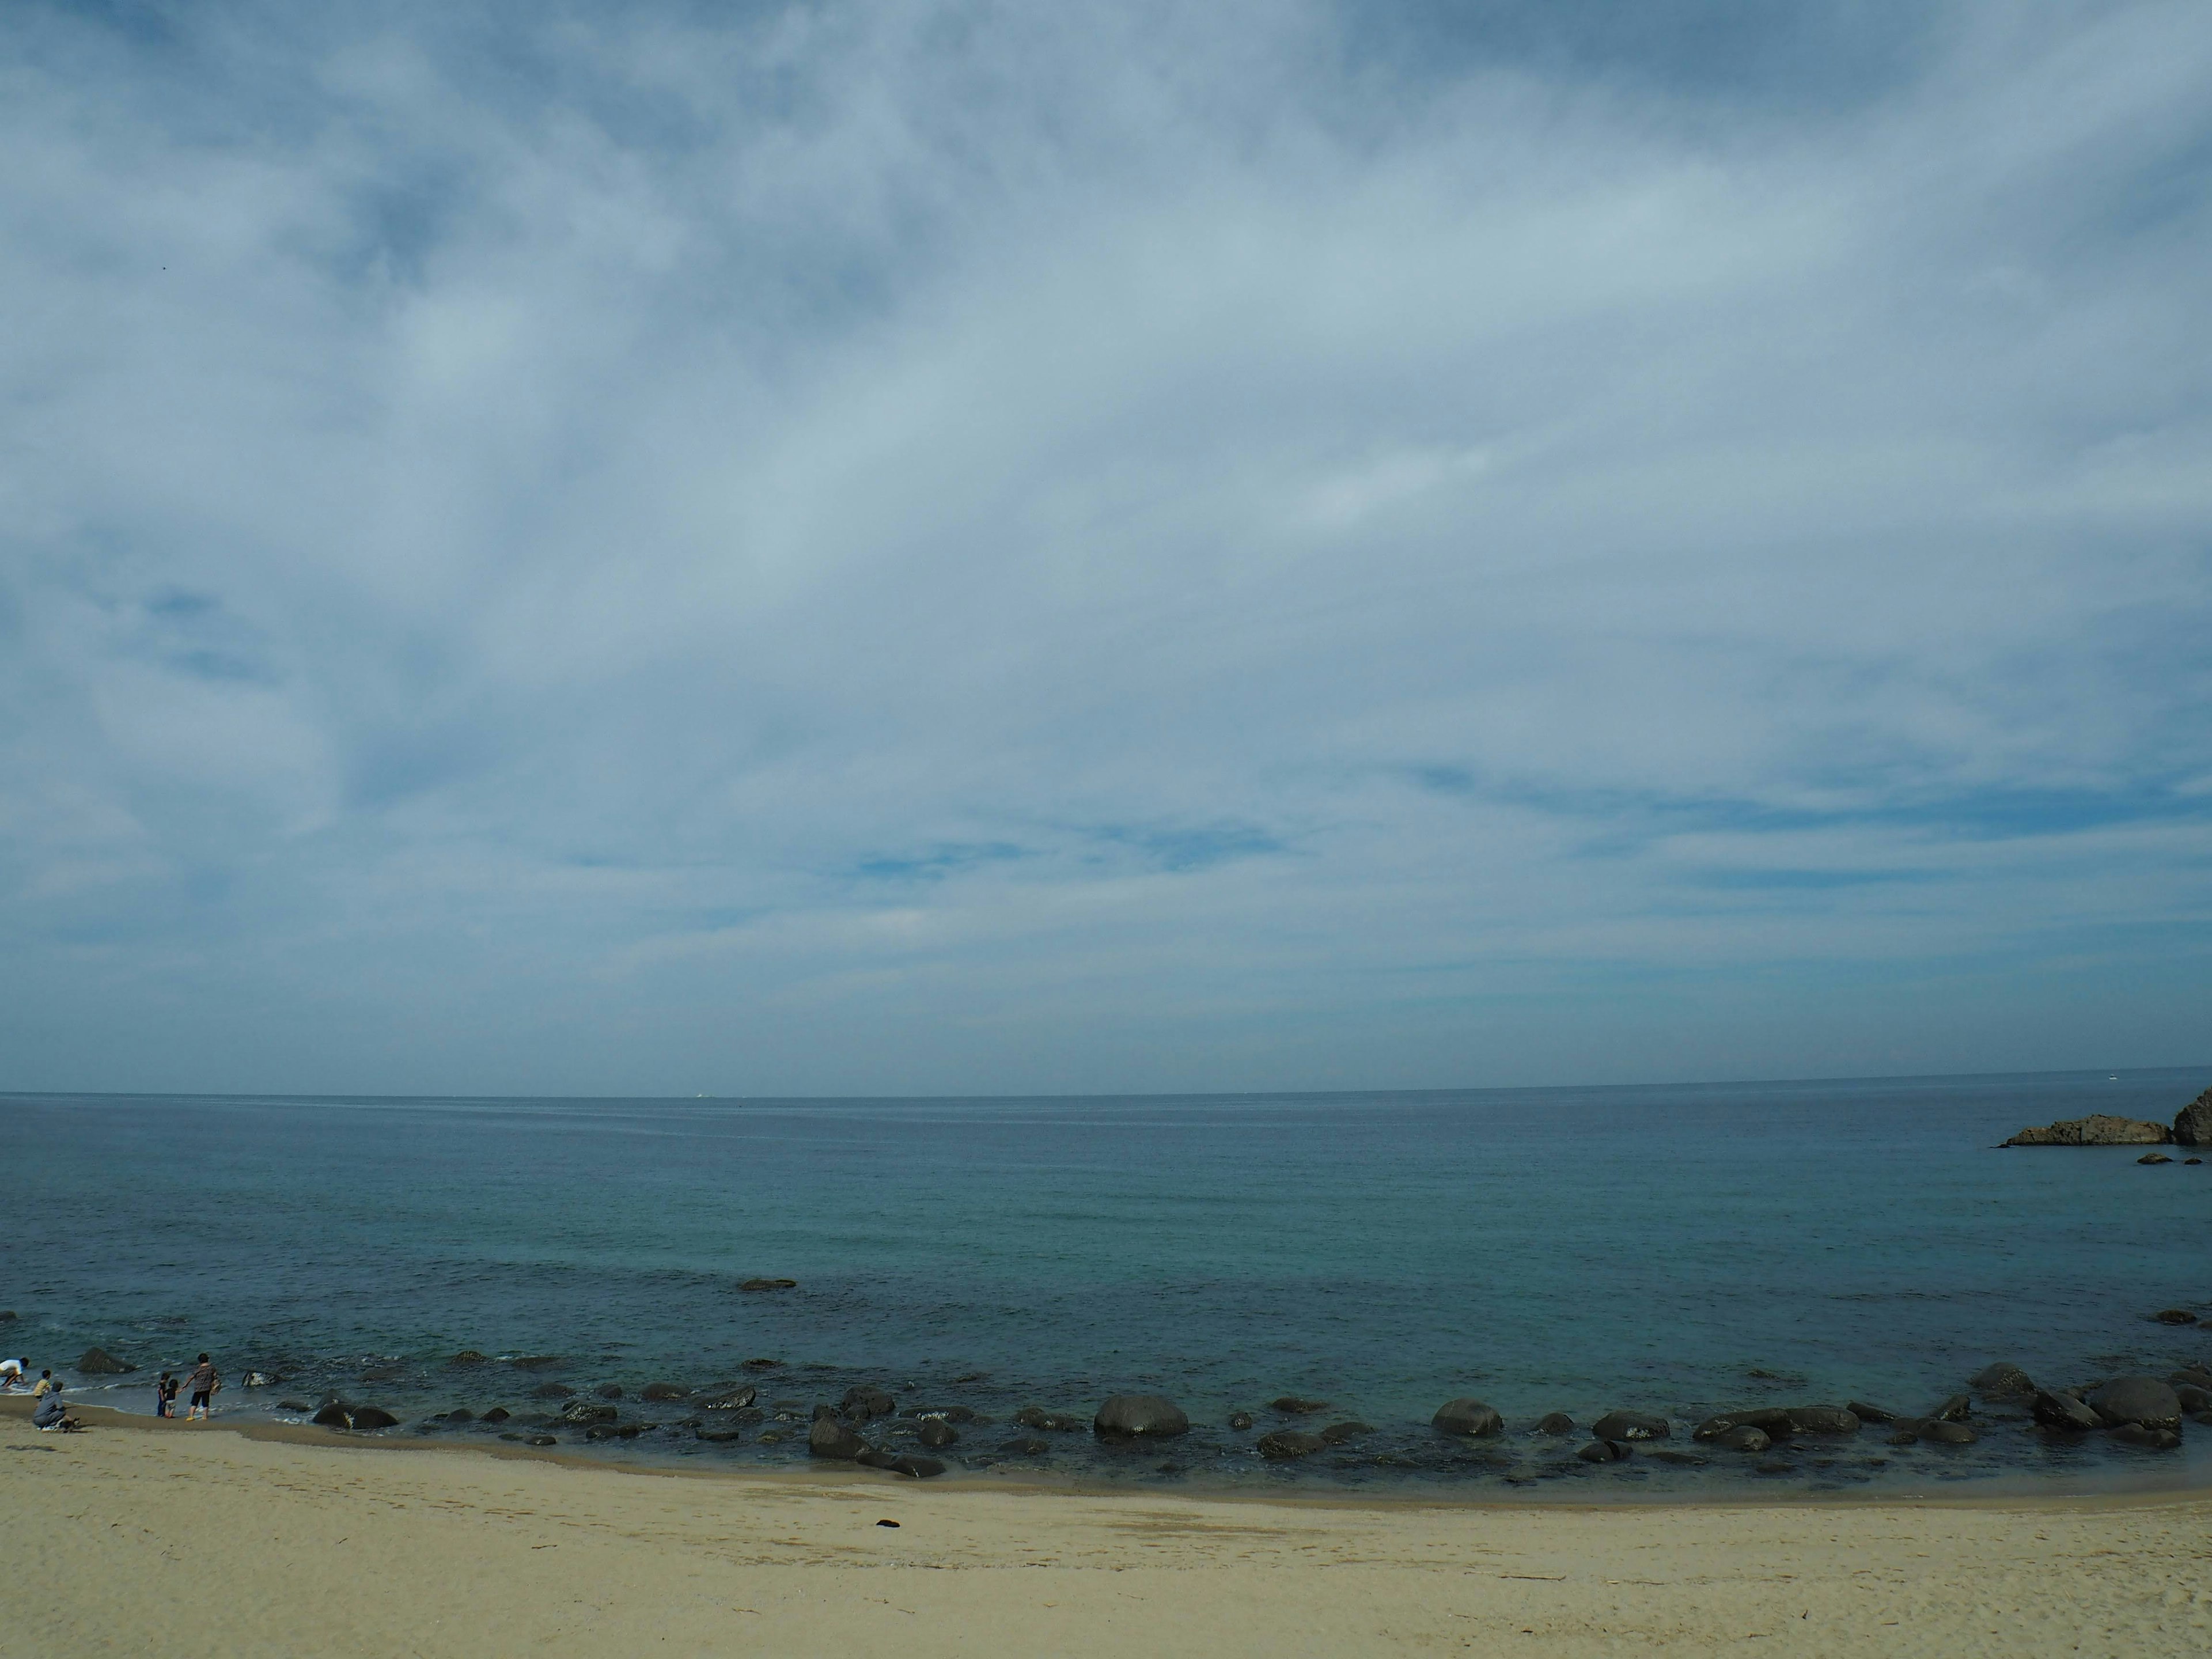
(1675, 1249)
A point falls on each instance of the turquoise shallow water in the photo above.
(1675, 1249)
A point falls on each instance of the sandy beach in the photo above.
(139, 1537)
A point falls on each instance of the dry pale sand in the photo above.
(194, 1540)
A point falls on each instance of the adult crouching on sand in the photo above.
(51, 1413)
(205, 1383)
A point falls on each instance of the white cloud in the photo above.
(899, 547)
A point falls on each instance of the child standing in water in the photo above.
(165, 1397)
(203, 1382)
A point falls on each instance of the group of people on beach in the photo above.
(202, 1380)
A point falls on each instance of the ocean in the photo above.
(1678, 1250)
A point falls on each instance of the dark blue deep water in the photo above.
(1675, 1250)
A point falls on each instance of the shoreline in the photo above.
(190, 1542)
(2008, 1492)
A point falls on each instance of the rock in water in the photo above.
(918, 1469)
(2194, 1126)
(1772, 1421)
(553, 1391)
(2064, 1411)
(867, 1402)
(98, 1361)
(2154, 1157)
(1027, 1446)
(1741, 1436)
(2095, 1130)
(950, 1414)
(2140, 1399)
(1293, 1405)
(460, 1414)
(585, 1411)
(870, 1457)
(665, 1391)
(2174, 1316)
(1604, 1451)
(1957, 1409)
(2001, 1382)
(1823, 1420)
(609, 1391)
(333, 1416)
(1037, 1417)
(1285, 1444)
(1867, 1413)
(1466, 1417)
(1240, 1420)
(830, 1438)
(467, 1357)
(497, 1414)
(1630, 1425)
(770, 1284)
(373, 1417)
(935, 1432)
(2194, 1398)
(1337, 1433)
(734, 1399)
(261, 1380)
(1555, 1423)
(1125, 1416)
(1948, 1434)
(2146, 1437)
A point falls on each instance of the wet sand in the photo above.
(143, 1537)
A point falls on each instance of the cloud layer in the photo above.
(885, 547)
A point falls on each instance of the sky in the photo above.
(878, 547)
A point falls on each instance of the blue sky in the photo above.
(904, 547)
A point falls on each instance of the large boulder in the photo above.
(833, 1437)
(1741, 1436)
(2096, 1130)
(373, 1417)
(2141, 1400)
(2194, 1126)
(1630, 1425)
(1466, 1417)
(730, 1399)
(588, 1411)
(1338, 1434)
(98, 1361)
(1555, 1423)
(935, 1432)
(1604, 1451)
(1126, 1416)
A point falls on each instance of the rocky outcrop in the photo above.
(2095, 1130)
(98, 1361)
(1630, 1425)
(1466, 1417)
(1127, 1416)
(2193, 1128)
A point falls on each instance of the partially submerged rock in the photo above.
(1292, 1405)
(2098, 1129)
(1632, 1425)
(98, 1361)
(1128, 1416)
(2143, 1400)
(832, 1437)
(2056, 1410)
(2193, 1128)
(1604, 1451)
(1466, 1416)
(2001, 1380)
(770, 1284)
(1285, 1444)
(1555, 1423)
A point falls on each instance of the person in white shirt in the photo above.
(11, 1374)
